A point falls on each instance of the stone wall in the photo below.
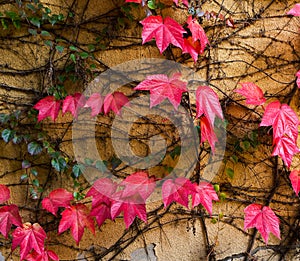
(262, 47)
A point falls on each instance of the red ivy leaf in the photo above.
(73, 103)
(46, 255)
(270, 113)
(263, 218)
(101, 193)
(254, 95)
(131, 207)
(9, 215)
(229, 22)
(295, 180)
(207, 103)
(4, 193)
(207, 132)
(162, 87)
(95, 102)
(101, 212)
(283, 120)
(76, 218)
(164, 31)
(295, 11)
(140, 183)
(48, 107)
(57, 198)
(298, 79)
(197, 33)
(114, 102)
(204, 194)
(193, 48)
(285, 148)
(177, 190)
(29, 237)
(285, 130)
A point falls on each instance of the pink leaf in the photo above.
(283, 120)
(262, 218)
(165, 32)
(101, 193)
(285, 148)
(73, 103)
(161, 87)
(254, 95)
(177, 190)
(295, 11)
(204, 194)
(270, 113)
(56, 199)
(140, 183)
(76, 218)
(29, 237)
(130, 206)
(295, 180)
(48, 107)
(298, 79)
(46, 255)
(193, 48)
(207, 103)
(4, 193)
(285, 130)
(101, 212)
(9, 215)
(197, 33)
(207, 132)
(95, 102)
(114, 102)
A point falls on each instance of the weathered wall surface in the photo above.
(263, 48)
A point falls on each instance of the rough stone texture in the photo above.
(263, 49)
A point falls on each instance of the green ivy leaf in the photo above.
(4, 24)
(32, 31)
(100, 165)
(73, 57)
(78, 169)
(217, 187)
(26, 164)
(31, 7)
(17, 139)
(73, 48)
(59, 48)
(45, 33)
(7, 135)
(17, 24)
(152, 4)
(88, 161)
(4, 118)
(48, 43)
(34, 172)
(34, 148)
(35, 21)
(84, 55)
(36, 183)
(24, 177)
(230, 172)
(59, 163)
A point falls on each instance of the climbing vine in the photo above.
(268, 123)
